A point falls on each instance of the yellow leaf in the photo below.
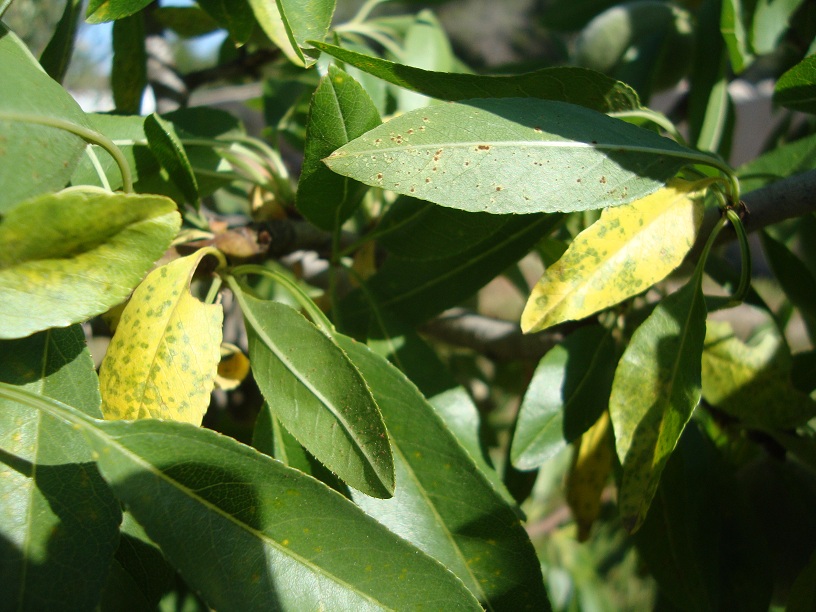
(233, 367)
(591, 466)
(162, 360)
(627, 250)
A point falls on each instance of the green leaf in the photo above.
(700, 540)
(771, 20)
(129, 69)
(100, 11)
(413, 291)
(413, 229)
(736, 38)
(165, 144)
(246, 531)
(234, 15)
(752, 382)
(568, 392)
(803, 592)
(781, 162)
(426, 46)
(566, 84)
(186, 21)
(291, 23)
(37, 155)
(163, 358)
(656, 388)
(442, 503)
(796, 89)
(512, 155)
(57, 54)
(191, 124)
(58, 520)
(340, 111)
(75, 254)
(318, 395)
(625, 252)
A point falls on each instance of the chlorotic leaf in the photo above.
(752, 382)
(656, 388)
(72, 255)
(512, 155)
(163, 358)
(627, 250)
(318, 395)
(591, 467)
(37, 154)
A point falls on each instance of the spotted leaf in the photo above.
(164, 355)
(627, 250)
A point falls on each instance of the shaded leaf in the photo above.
(275, 538)
(413, 229)
(37, 156)
(566, 84)
(165, 144)
(201, 123)
(736, 38)
(162, 360)
(186, 21)
(803, 592)
(58, 520)
(511, 155)
(318, 395)
(129, 69)
(57, 54)
(626, 251)
(592, 463)
(752, 382)
(234, 15)
(340, 111)
(411, 292)
(291, 23)
(567, 394)
(100, 11)
(796, 89)
(778, 163)
(72, 255)
(656, 388)
(442, 503)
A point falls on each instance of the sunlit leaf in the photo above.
(736, 38)
(563, 83)
(511, 155)
(58, 519)
(72, 255)
(162, 360)
(442, 503)
(340, 111)
(426, 46)
(796, 89)
(318, 395)
(37, 155)
(100, 11)
(591, 467)
(656, 388)
(770, 21)
(627, 250)
(752, 382)
(233, 367)
(290, 23)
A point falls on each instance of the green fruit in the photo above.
(648, 44)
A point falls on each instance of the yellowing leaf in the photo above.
(591, 466)
(162, 360)
(233, 367)
(627, 250)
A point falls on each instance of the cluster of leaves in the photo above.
(365, 484)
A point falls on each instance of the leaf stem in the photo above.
(87, 134)
(745, 257)
(315, 314)
(658, 119)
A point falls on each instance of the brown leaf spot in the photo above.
(603, 180)
(483, 147)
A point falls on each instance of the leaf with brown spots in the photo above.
(163, 358)
(627, 250)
